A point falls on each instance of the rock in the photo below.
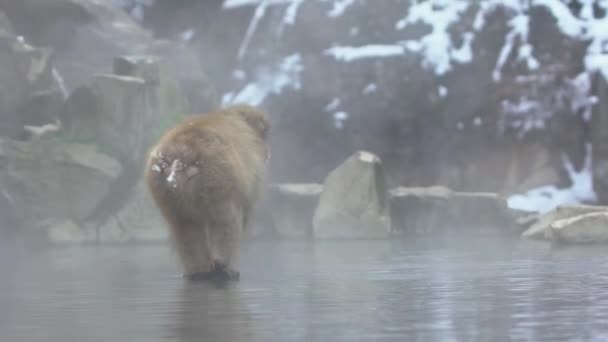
(184, 64)
(166, 103)
(538, 230)
(261, 225)
(583, 229)
(86, 34)
(29, 91)
(67, 232)
(434, 209)
(599, 134)
(50, 180)
(418, 210)
(139, 221)
(293, 207)
(110, 112)
(354, 202)
(479, 211)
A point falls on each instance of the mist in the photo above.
(437, 170)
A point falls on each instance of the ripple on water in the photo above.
(490, 290)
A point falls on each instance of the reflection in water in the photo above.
(447, 289)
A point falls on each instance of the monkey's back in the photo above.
(204, 162)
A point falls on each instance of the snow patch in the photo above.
(333, 105)
(547, 198)
(370, 88)
(436, 48)
(186, 36)
(156, 168)
(340, 6)
(269, 81)
(253, 24)
(442, 91)
(292, 12)
(339, 119)
(174, 166)
(349, 53)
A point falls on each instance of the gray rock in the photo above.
(48, 180)
(26, 80)
(538, 231)
(67, 232)
(355, 201)
(86, 34)
(435, 209)
(139, 221)
(418, 210)
(166, 103)
(583, 229)
(109, 112)
(293, 207)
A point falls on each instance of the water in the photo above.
(444, 290)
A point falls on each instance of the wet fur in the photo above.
(204, 176)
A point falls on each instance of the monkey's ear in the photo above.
(260, 124)
(255, 118)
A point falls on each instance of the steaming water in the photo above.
(446, 290)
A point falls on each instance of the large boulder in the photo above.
(123, 113)
(439, 209)
(539, 230)
(48, 180)
(85, 34)
(293, 207)
(110, 112)
(418, 210)
(30, 93)
(139, 221)
(355, 201)
(583, 229)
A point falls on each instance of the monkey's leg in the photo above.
(191, 244)
(225, 237)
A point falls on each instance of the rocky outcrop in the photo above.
(354, 202)
(85, 34)
(438, 209)
(110, 112)
(591, 228)
(48, 180)
(293, 207)
(123, 114)
(30, 94)
(539, 230)
(139, 221)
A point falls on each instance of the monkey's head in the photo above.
(254, 117)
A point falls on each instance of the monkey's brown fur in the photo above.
(204, 175)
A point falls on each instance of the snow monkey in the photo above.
(204, 176)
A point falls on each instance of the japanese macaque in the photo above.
(204, 175)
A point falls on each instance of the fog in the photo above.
(437, 168)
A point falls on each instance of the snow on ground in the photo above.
(437, 49)
(339, 7)
(339, 118)
(547, 198)
(333, 105)
(269, 81)
(350, 53)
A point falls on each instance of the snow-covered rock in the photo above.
(538, 230)
(590, 228)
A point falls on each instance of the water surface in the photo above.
(446, 289)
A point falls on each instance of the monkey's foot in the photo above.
(224, 273)
(218, 272)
